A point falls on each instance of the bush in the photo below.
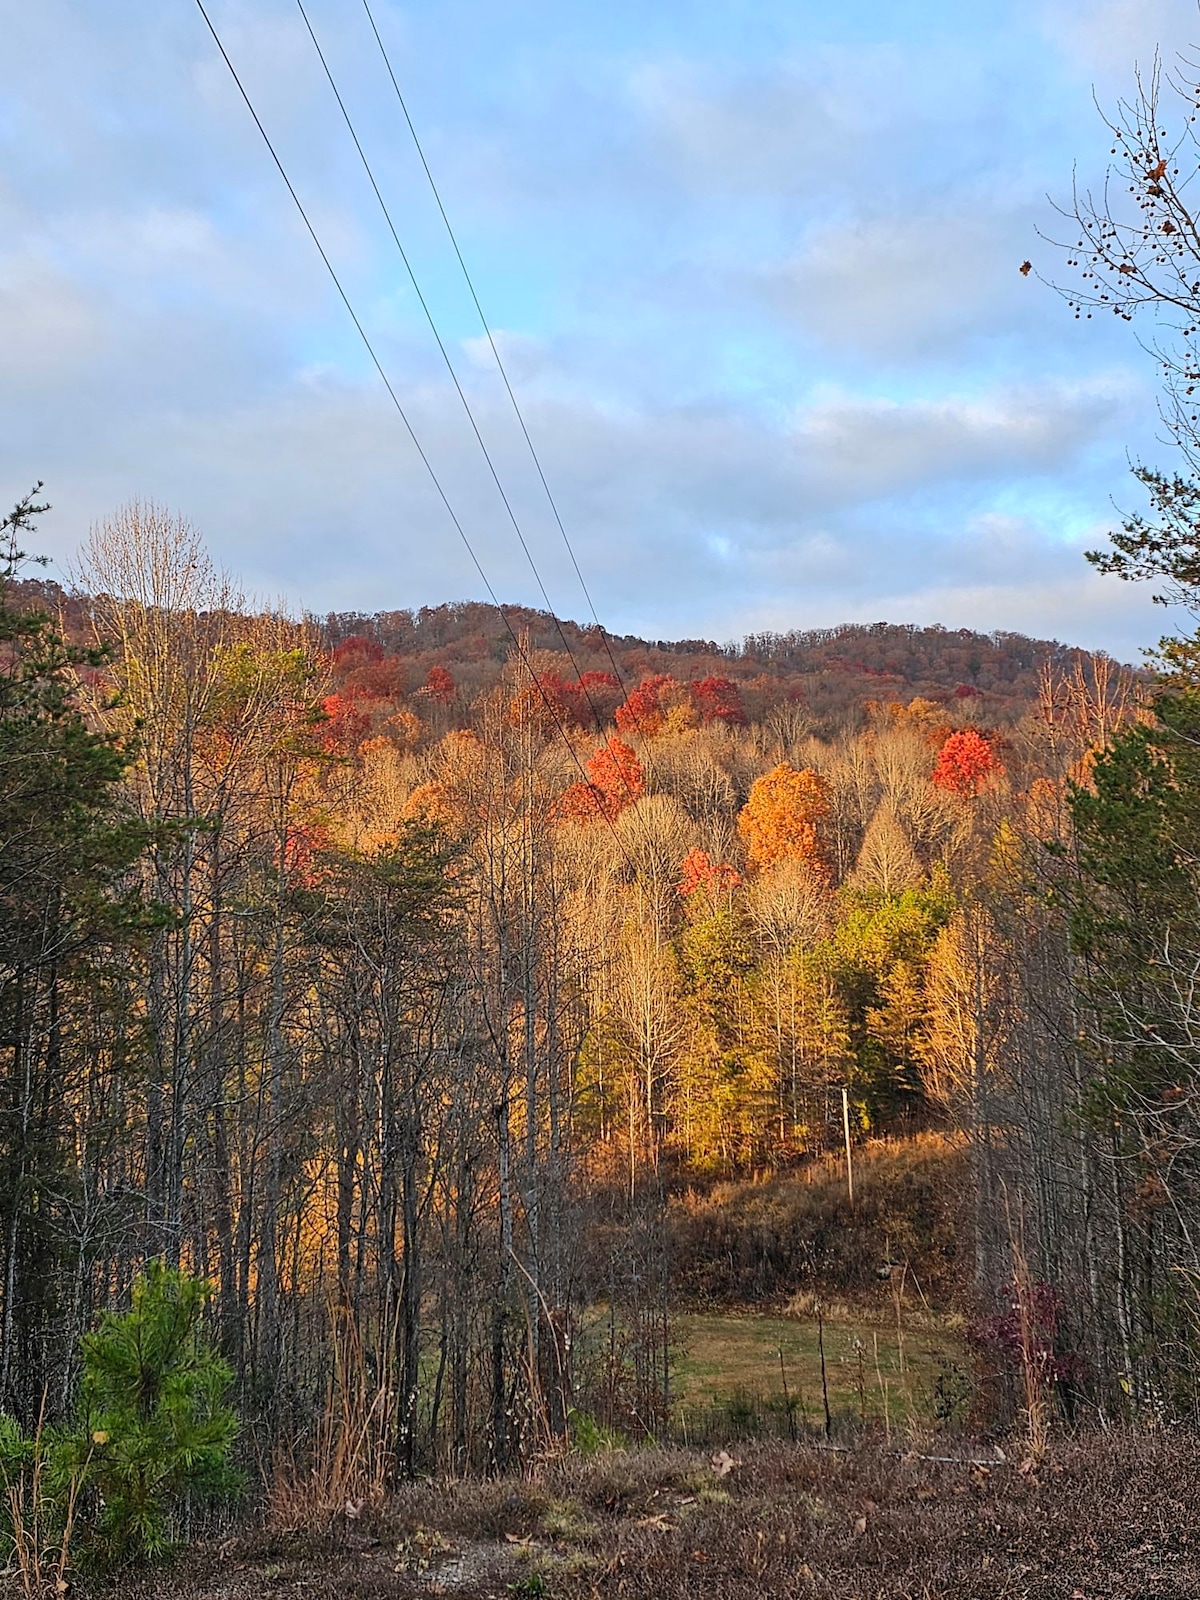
(589, 1437)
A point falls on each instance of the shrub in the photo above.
(589, 1437)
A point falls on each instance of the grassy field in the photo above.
(873, 1371)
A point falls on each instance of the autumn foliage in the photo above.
(965, 763)
(784, 815)
(644, 710)
(698, 871)
(615, 780)
(302, 846)
(552, 700)
(718, 700)
(440, 685)
(347, 721)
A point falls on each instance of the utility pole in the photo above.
(846, 1131)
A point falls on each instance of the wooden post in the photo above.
(846, 1131)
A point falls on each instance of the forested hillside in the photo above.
(397, 987)
(826, 671)
(491, 1106)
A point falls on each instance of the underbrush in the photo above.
(797, 1234)
(1103, 1517)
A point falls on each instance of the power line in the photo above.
(408, 267)
(425, 461)
(429, 317)
(495, 350)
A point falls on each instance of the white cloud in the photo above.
(784, 130)
(874, 447)
(1112, 37)
(49, 327)
(910, 284)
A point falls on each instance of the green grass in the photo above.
(724, 1359)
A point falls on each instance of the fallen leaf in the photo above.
(861, 1525)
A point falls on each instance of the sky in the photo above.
(752, 264)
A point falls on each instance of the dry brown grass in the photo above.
(345, 1472)
(796, 1232)
(1104, 1519)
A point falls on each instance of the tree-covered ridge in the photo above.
(825, 670)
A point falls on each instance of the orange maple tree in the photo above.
(783, 816)
(965, 763)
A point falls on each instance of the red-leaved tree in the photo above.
(718, 700)
(965, 763)
(698, 871)
(615, 780)
(643, 711)
(347, 721)
(440, 685)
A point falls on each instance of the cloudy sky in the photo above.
(753, 264)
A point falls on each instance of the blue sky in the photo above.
(754, 267)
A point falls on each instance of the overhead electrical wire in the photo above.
(466, 404)
(495, 349)
(454, 378)
(403, 415)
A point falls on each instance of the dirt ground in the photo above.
(1113, 1518)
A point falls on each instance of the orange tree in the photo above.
(784, 816)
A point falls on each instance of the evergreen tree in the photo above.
(64, 846)
(154, 1429)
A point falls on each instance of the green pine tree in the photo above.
(155, 1433)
